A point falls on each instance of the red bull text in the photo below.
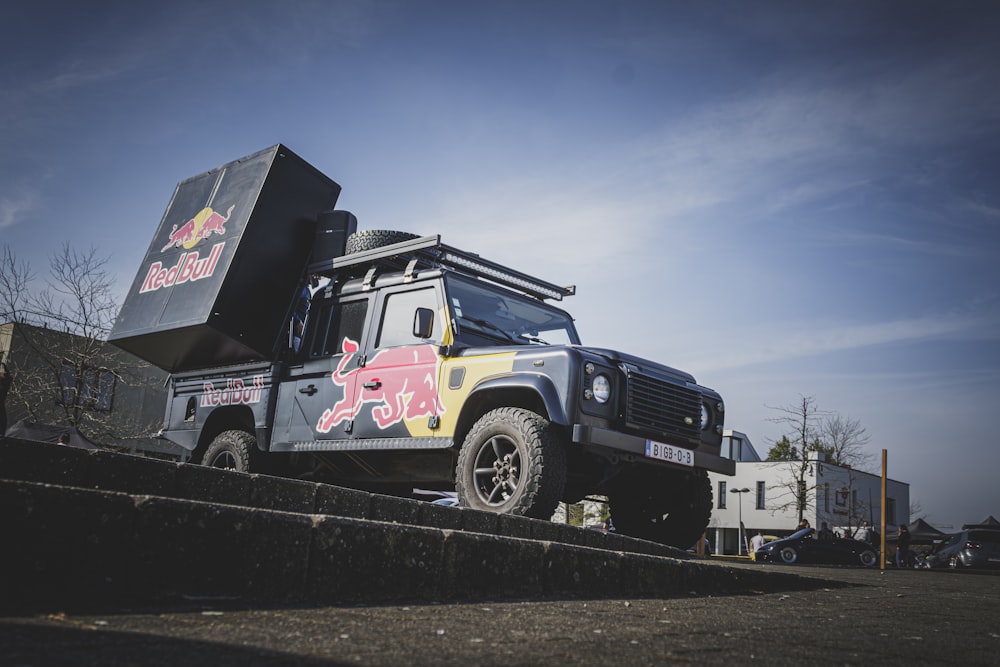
(190, 266)
(236, 392)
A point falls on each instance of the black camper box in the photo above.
(221, 276)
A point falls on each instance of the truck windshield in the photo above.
(480, 310)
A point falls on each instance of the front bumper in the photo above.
(633, 447)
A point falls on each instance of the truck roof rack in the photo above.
(429, 252)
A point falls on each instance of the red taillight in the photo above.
(973, 545)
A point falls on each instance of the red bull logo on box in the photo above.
(190, 266)
(201, 226)
(400, 381)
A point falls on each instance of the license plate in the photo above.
(664, 452)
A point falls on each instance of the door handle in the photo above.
(309, 391)
(374, 384)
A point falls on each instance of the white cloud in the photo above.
(776, 342)
(15, 204)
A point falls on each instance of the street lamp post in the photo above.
(742, 537)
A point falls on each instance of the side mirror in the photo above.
(423, 323)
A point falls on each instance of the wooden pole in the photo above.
(882, 530)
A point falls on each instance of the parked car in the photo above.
(804, 547)
(967, 548)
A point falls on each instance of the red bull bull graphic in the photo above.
(190, 267)
(201, 226)
(236, 392)
(401, 380)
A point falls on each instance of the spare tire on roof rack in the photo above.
(370, 239)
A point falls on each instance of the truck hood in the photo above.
(613, 357)
(644, 365)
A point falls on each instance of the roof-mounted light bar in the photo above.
(431, 251)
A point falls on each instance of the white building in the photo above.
(763, 494)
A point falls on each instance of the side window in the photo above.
(336, 321)
(397, 318)
(93, 388)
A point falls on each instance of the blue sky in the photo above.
(783, 198)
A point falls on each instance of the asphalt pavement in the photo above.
(859, 616)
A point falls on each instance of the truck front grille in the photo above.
(657, 408)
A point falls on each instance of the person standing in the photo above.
(865, 533)
(756, 542)
(302, 311)
(903, 547)
(5, 382)
(825, 534)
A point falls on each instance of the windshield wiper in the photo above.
(533, 339)
(489, 325)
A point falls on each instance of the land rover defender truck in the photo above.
(419, 365)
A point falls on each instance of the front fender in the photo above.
(531, 391)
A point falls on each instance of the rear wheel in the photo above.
(512, 462)
(231, 450)
(666, 506)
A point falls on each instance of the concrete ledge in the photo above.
(490, 567)
(186, 548)
(583, 572)
(63, 545)
(80, 548)
(211, 485)
(104, 470)
(354, 561)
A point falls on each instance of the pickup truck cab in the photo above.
(421, 365)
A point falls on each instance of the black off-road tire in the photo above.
(232, 450)
(370, 239)
(512, 462)
(666, 506)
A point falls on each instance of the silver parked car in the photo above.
(968, 548)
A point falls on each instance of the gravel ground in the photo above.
(856, 617)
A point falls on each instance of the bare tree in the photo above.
(802, 439)
(65, 372)
(845, 440)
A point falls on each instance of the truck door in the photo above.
(318, 397)
(397, 389)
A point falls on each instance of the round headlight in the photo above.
(601, 387)
(704, 417)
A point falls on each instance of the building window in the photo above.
(722, 496)
(94, 389)
(826, 497)
(890, 510)
(841, 497)
(760, 495)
